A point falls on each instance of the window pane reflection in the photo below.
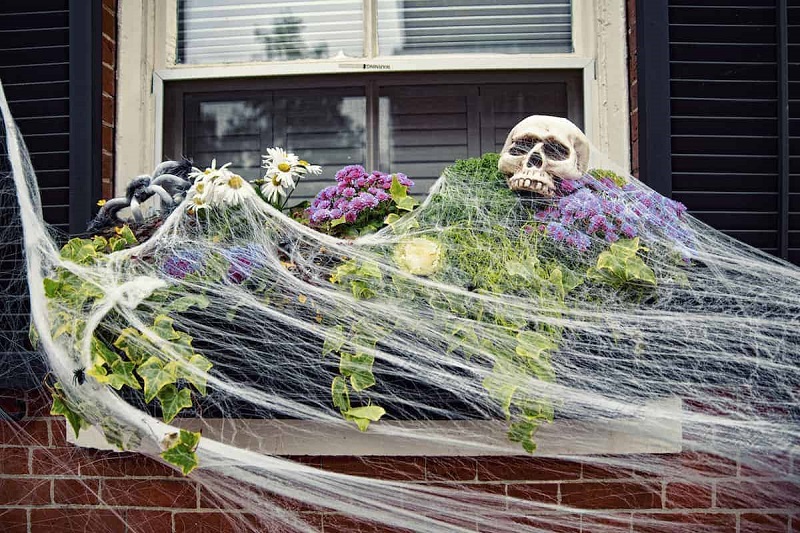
(325, 127)
(225, 31)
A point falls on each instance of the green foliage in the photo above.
(364, 278)
(152, 360)
(356, 359)
(600, 173)
(183, 452)
(621, 266)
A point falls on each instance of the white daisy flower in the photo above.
(231, 189)
(274, 189)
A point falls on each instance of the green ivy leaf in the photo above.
(182, 453)
(334, 340)
(173, 401)
(184, 303)
(126, 233)
(635, 269)
(362, 416)
(155, 377)
(122, 374)
(60, 407)
(391, 218)
(51, 288)
(102, 353)
(340, 394)
(358, 368)
(338, 222)
(400, 195)
(131, 343)
(199, 363)
(163, 327)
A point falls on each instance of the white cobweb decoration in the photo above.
(478, 305)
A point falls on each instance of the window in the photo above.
(366, 67)
(224, 31)
(395, 123)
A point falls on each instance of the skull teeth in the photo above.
(531, 185)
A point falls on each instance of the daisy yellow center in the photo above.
(284, 167)
(200, 187)
(236, 182)
(276, 181)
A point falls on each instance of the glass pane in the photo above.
(471, 26)
(423, 129)
(325, 127)
(226, 31)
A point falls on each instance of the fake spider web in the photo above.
(479, 305)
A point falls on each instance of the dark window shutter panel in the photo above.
(34, 67)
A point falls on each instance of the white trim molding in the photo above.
(657, 429)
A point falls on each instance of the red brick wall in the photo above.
(46, 485)
(109, 28)
(633, 79)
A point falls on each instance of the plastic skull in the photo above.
(541, 149)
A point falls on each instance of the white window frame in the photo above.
(147, 38)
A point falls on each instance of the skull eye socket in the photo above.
(555, 151)
(522, 146)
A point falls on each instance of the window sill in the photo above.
(657, 430)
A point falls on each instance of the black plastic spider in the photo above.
(79, 376)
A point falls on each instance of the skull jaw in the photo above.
(539, 183)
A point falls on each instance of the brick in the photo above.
(335, 523)
(148, 521)
(450, 468)
(13, 521)
(109, 26)
(688, 496)
(149, 493)
(758, 495)
(57, 461)
(108, 138)
(764, 523)
(108, 109)
(527, 469)
(39, 403)
(12, 402)
(395, 468)
(24, 491)
(611, 495)
(774, 465)
(537, 492)
(58, 432)
(601, 471)
(76, 520)
(24, 433)
(109, 51)
(552, 523)
(76, 491)
(207, 523)
(13, 460)
(119, 464)
(109, 81)
(684, 522)
(706, 465)
(606, 523)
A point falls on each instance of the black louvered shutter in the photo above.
(728, 96)
(34, 69)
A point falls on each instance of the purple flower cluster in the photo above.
(356, 191)
(243, 260)
(182, 264)
(599, 208)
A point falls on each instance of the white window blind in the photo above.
(463, 26)
(226, 31)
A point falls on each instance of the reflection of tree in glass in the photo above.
(285, 41)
